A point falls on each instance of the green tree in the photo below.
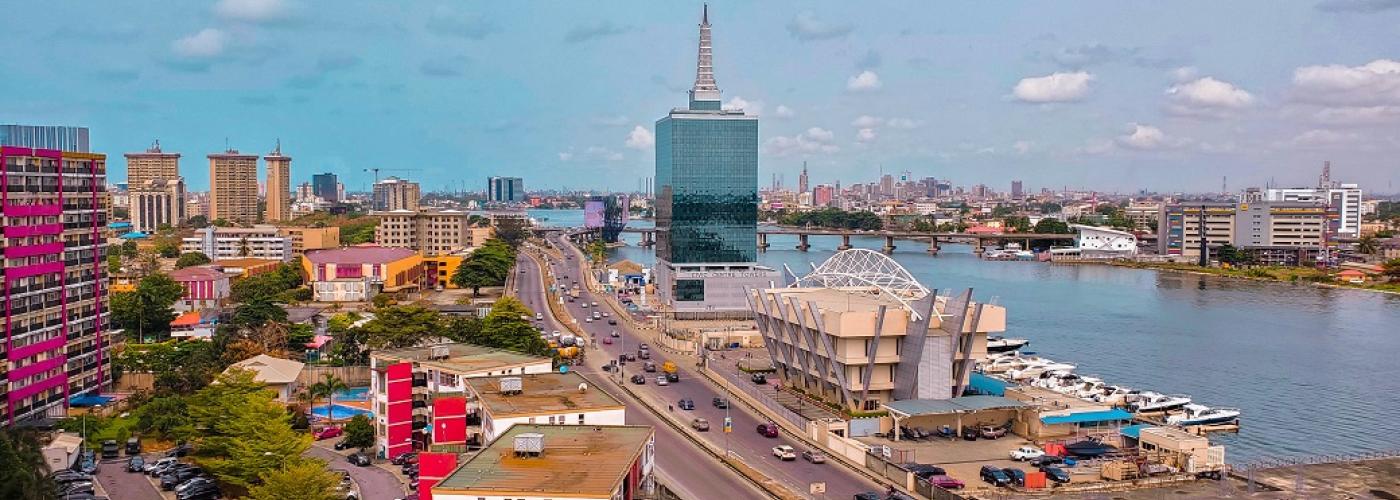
(166, 417)
(23, 469)
(1050, 208)
(1228, 254)
(504, 328)
(197, 222)
(1051, 225)
(244, 249)
(128, 249)
(188, 259)
(358, 432)
(401, 326)
(257, 312)
(268, 285)
(1391, 268)
(167, 246)
(306, 479)
(1367, 245)
(114, 263)
(147, 310)
(245, 433)
(358, 232)
(598, 251)
(327, 387)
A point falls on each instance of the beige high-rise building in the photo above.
(151, 165)
(279, 179)
(430, 233)
(156, 203)
(233, 187)
(394, 193)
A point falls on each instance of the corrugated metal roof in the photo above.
(1088, 417)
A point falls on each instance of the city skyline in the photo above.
(1041, 93)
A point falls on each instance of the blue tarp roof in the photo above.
(116, 225)
(1088, 417)
(132, 236)
(1133, 431)
(84, 400)
(987, 385)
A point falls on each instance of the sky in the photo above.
(1107, 95)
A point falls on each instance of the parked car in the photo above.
(179, 450)
(814, 456)
(700, 424)
(405, 458)
(639, 379)
(686, 404)
(172, 479)
(925, 471)
(342, 444)
(992, 432)
(1018, 476)
(135, 463)
(994, 476)
(328, 433)
(969, 433)
(607, 340)
(150, 466)
(946, 482)
(1026, 453)
(193, 483)
(784, 452)
(410, 470)
(870, 495)
(630, 356)
(614, 334)
(200, 491)
(88, 466)
(67, 476)
(359, 458)
(769, 430)
(720, 403)
(759, 378)
(644, 354)
(1044, 460)
(110, 449)
(1055, 474)
(76, 488)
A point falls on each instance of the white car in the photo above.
(1026, 453)
(784, 452)
(661, 380)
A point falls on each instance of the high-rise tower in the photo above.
(279, 185)
(233, 187)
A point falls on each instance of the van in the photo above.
(133, 446)
(109, 449)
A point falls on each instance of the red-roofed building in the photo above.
(195, 325)
(205, 288)
(356, 274)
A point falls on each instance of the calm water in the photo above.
(1313, 369)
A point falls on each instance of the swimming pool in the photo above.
(338, 412)
(353, 394)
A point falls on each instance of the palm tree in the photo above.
(1367, 245)
(243, 249)
(23, 467)
(327, 387)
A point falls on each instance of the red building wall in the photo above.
(432, 468)
(399, 413)
(450, 421)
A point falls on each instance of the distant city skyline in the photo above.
(1159, 99)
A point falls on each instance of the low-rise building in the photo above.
(430, 232)
(1180, 227)
(278, 374)
(243, 268)
(547, 398)
(555, 462)
(205, 288)
(1093, 242)
(311, 238)
(259, 242)
(195, 325)
(356, 274)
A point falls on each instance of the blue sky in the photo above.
(1107, 95)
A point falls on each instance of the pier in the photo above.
(978, 241)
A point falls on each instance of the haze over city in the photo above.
(1106, 96)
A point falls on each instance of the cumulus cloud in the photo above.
(253, 11)
(1184, 73)
(865, 135)
(784, 112)
(587, 32)
(1147, 137)
(450, 22)
(640, 138)
(866, 81)
(1357, 115)
(811, 141)
(1361, 6)
(737, 103)
(806, 26)
(1372, 84)
(1207, 97)
(206, 44)
(1057, 87)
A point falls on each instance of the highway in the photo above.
(684, 466)
(744, 442)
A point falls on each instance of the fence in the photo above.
(767, 401)
(135, 381)
(354, 376)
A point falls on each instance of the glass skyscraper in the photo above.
(71, 139)
(324, 186)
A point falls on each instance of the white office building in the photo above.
(1343, 200)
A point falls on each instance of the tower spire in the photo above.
(705, 89)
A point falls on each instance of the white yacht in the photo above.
(1153, 402)
(997, 343)
(1034, 369)
(1195, 414)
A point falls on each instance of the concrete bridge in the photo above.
(977, 240)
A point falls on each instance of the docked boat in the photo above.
(1155, 402)
(1034, 369)
(1195, 414)
(1117, 395)
(997, 343)
(1089, 448)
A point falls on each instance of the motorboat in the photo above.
(1089, 448)
(1116, 395)
(1154, 402)
(997, 343)
(1194, 414)
(1034, 369)
(1002, 364)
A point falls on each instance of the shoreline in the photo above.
(1153, 267)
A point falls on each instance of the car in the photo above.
(587, 320)
(614, 334)
(538, 316)
(359, 458)
(644, 354)
(150, 466)
(1046, 460)
(869, 495)
(612, 322)
(814, 456)
(992, 432)
(193, 483)
(88, 466)
(405, 458)
(686, 404)
(639, 379)
(1025, 453)
(135, 464)
(946, 482)
(784, 452)
(768, 430)
(630, 356)
(610, 366)
(67, 476)
(172, 479)
(925, 471)
(607, 340)
(328, 433)
(76, 488)
(720, 403)
(700, 424)
(661, 380)
(1018, 476)
(1055, 474)
(673, 377)
(200, 491)
(759, 378)
(970, 434)
(595, 304)
(410, 470)
(643, 347)
(342, 444)
(994, 476)
(110, 449)
(649, 367)
(179, 450)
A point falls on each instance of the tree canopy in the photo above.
(188, 259)
(486, 266)
(834, 218)
(309, 479)
(147, 311)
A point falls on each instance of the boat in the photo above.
(1154, 402)
(1117, 395)
(1036, 368)
(998, 343)
(1089, 448)
(1195, 414)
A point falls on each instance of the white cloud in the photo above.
(806, 26)
(867, 121)
(784, 112)
(1207, 97)
(254, 11)
(565, 156)
(640, 138)
(207, 43)
(1022, 147)
(1184, 73)
(1357, 115)
(1323, 138)
(1147, 137)
(865, 81)
(905, 123)
(1375, 83)
(750, 107)
(1057, 87)
(602, 153)
(865, 135)
(813, 140)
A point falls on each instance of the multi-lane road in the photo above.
(744, 443)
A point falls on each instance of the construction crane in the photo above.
(377, 170)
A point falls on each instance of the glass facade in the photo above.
(707, 186)
(324, 186)
(71, 139)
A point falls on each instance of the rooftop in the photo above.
(965, 404)
(245, 262)
(358, 255)
(196, 273)
(460, 358)
(270, 370)
(541, 395)
(578, 461)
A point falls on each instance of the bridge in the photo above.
(978, 240)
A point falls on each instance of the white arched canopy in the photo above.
(865, 269)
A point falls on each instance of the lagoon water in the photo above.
(1315, 370)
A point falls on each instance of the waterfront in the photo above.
(1309, 366)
